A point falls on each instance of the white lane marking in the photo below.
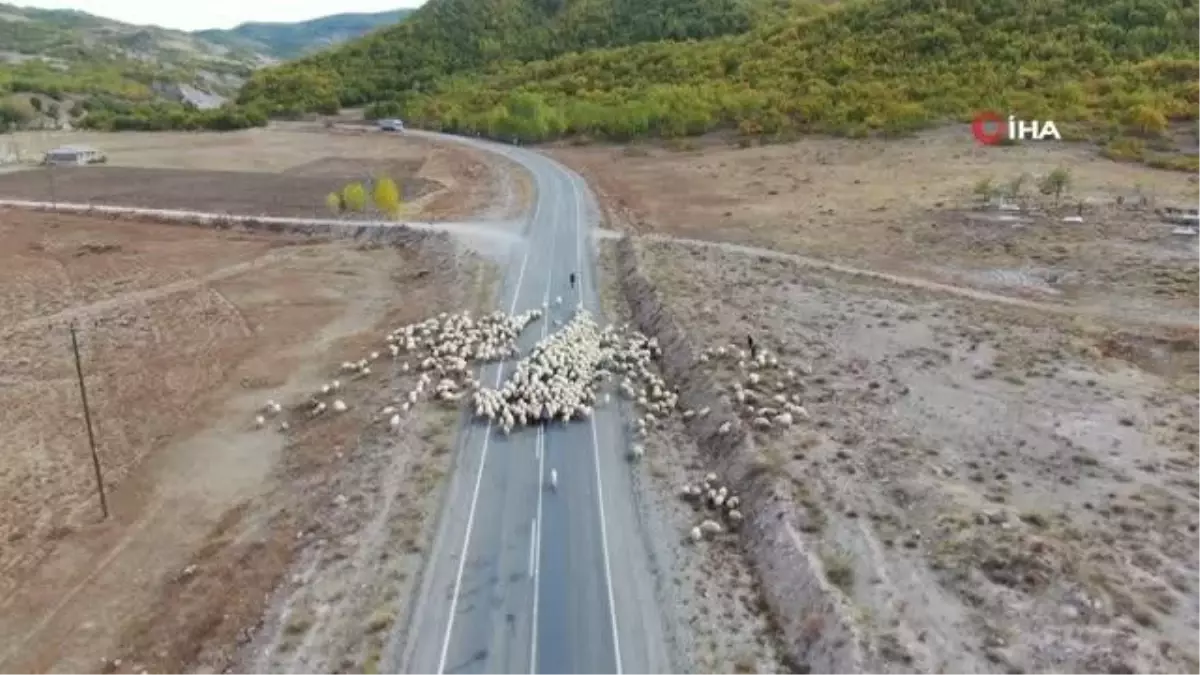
(612, 607)
(541, 478)
(532, 534)
(579, 239)
(537, 556)
(487, 436)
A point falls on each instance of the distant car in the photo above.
(391, 125)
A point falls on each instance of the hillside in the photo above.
(61, 68)
(446, 37)
(291, 40)
(54, 51)
(1121, 71)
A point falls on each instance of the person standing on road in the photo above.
(572, 280)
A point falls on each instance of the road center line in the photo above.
(541, 475)
(532, 534)
(612, 608)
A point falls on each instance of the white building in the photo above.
(1189, 216)
(74, 155)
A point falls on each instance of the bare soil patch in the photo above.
(185, 331)
(904, 206)
(284, 170)
(301, 195)
(986, 488)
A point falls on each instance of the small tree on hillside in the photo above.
(984, 189)
(386, 196)
(334, 202)
(354, 196)
(1016, 187)
(1056, 183)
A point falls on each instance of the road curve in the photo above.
(521, 578)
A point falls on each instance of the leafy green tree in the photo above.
(354, 196)
(985, 189)
(335, 203)
(12, 116)
(386, 196)
(1056, 182)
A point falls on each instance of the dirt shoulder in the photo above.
(980, 488)
(185, 333)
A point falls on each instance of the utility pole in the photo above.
(87, 417)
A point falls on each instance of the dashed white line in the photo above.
(540, 451)
(487, 435)
(532, 534)
(612, 608)
(537, 553)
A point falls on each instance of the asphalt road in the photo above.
(522, 578)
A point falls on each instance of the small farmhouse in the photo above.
(74, 155)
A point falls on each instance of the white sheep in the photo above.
(394, 422)
(259, 421)
(339, 406)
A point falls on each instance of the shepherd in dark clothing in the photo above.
(572, 280)
(750, 343)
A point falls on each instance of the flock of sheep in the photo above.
(709, 497)
(761, 391)
(563, 378)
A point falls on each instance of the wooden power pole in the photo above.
(87, 417)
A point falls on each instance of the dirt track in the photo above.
(190, 331)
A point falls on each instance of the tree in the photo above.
(387, 197)
(1056, 182)
(985, 189)
(354, 196)
(333, 200)
(1147, 120)
(1015, 187)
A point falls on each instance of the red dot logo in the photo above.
(988, 127)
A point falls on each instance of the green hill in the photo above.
(64, 51)
(446, 37)
(292, 40)
(1120, 70)
(63, 67)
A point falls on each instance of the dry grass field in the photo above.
(988, 488)
(184, 333)
(284, 170)
(905, 206)
(998, 471)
